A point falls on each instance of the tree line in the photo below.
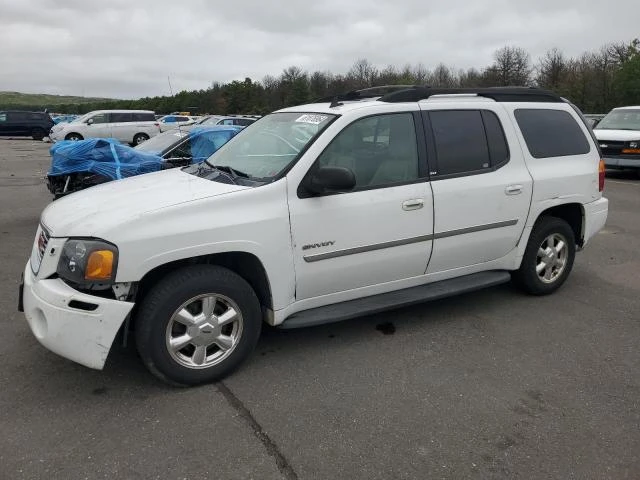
(595, 81)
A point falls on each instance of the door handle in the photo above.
(513, 189)
(414, 204)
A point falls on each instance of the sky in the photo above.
(128, 48)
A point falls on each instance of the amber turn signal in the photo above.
(601, 172)
(99, 265)
(631, 150)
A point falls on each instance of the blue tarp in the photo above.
(110, 158)
(104, 156)
(206, 141)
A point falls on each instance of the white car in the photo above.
(127, 126)
(315, 214)
(619, 136)
(171, 122)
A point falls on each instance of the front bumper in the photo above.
(595, 217)
(627, 161)
(59, 318)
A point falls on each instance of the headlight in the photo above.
(634, 147)
(88, 262)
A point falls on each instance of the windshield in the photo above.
(627, 119)
(268, 146)
(209, 121)
(84, 117)
(161, 141)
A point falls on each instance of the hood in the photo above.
(93, 210)
(617, 135)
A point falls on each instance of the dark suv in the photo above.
(15, 123)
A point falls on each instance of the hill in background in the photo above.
(40, 101)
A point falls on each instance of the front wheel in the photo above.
(74, 137)
(197, 325)
(139, 138)
(548, 258)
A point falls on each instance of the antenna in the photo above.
(171, 92)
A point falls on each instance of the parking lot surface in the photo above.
(493, 384)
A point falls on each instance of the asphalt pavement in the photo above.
(489, 385)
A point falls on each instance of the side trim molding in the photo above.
(405, 241)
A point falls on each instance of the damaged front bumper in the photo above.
(73, 324)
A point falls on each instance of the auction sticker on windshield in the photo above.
(314, 119)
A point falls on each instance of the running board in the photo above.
(400, 298)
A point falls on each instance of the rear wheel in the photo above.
(74, 137)
(38, 133)
(548, 258)
(139, 138)
(197, 325)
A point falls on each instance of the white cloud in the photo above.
(126, 49)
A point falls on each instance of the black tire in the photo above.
(38, 133)
(173, 292)
(139, 138)
(74, 136)
(527, 276)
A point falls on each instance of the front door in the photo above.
(100, 126)
(481, 186)
(379, 232)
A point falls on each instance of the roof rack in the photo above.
(499, 94)
(363, 93)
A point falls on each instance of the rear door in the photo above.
(122, 126)
(18, 123)
(481, 186)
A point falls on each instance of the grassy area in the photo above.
(43, 100)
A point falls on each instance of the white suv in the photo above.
(314, 214)
(127, 126)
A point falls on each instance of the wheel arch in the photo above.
(572, 213)
(245, 264)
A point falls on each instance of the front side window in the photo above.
(269, 146)
(380, 150)
(551, 133)
(100, 118)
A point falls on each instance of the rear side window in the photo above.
(468, 141)
(118, 117)
(144, 117)
(551, 133)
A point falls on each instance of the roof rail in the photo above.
(499, 94)
(363, 93)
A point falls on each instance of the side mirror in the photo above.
(330, 180)
(90, 121)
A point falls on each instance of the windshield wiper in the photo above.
(228, 169)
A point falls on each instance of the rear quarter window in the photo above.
(551, 133)
(144, 117)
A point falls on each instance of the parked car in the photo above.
(63, 118)
(315, 214)
(86, 163)
(14, 123)
(169, 122)
(127, 126)
(240, 120)
(593, 118)
(619, 136)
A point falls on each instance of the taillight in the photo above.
(601, 170)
